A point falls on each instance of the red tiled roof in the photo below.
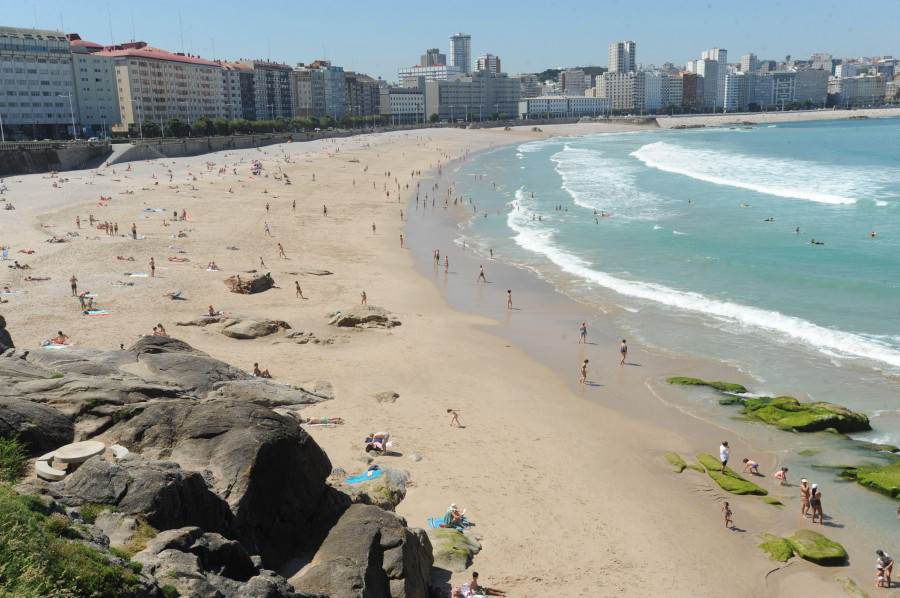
(141, 50)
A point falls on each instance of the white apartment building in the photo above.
(157, 85)
(572, 82)
(96, 88)
(461, 52)
(622, 57)
(563, 106)
(488, 62)
(624, 90)
(719, 56)
(37, 84)
(748, 63)
(845, 70)
(654, 82)
(438, 72)
(402, 105)
(735, 91)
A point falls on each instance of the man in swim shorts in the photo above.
(582, 333)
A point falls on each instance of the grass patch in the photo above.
(55, 376)
(777, 548)
(12, 459)
(730, 482)
(787, 413)
(35, 560)
(722, 386)
(772, 501)
(816, 548)
(89, 511)
(696, 467)
(675, 461)
(122, 415)
(143, 534)
(169, 591)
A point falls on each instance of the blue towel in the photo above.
(435, 522)
(369, 475)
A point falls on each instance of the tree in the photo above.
(202, 127)
(434, 118)
(494, 115)
(150, 129)
(503, 116)
(240, 125)
(221, 126)
(178, 128)
(345, 121)
(328, 121)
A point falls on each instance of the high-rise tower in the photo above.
(622, 57)
(461, 51)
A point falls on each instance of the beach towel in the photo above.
(176, 295)
(96, 312)
(66, 346)
(435, 522)
(92, 295)
(127, 284)
(369, 475)
(13, 292)
(136, 274)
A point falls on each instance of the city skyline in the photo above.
(526, 40)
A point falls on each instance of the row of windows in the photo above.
(15, 115)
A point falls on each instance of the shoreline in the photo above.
(562, 470)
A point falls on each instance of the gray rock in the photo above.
(262, 392)
(387, 396)
(385, 492)
(369, 552)
(453, 550)
(238, 327)
(364, 316)
(337, 472)
(319, 272)
(415, 458)
(40, 427)
(193, 373)
(5, 339)
(270, 472)
(117, 527)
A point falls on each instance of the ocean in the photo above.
(686, 242)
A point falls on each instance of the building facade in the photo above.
(477, 94)
(363, 94)
(748, 63)
(431, 57)
(573, 82)
(862, 90)
(626, 91)
(37, 84)
(402, 105)
(714, 95)
(530, 85)
(310, 86)
(622, 57)
(461, 52)
(563, 106)
(812, 85)
(240, 90)
(438, 72)
(488, 62)
(96, 88)
(275, 90)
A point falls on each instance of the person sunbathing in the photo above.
(60, 338)
(477, 588)
(324, 420)
(454, 518)
(158, 330)
(260, 373)
(125, 259)
(178, 259)
(36, 279)
(119, 283)
(19, 266)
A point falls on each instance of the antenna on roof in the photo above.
(133, 38)
(269, 43)
(61, 26)
(180, 28)
(35, 15)
(112, 40)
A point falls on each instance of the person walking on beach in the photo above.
(133, 231)
(78, 221)
(268, 232)
(324, 210)
(724, 453)
(299, 291)
(74, 282)
(623, 349)
(582, 333)
(888, 564)
(804, 497)
(727, 510)
(446, 264)
(508, 298)
(455, 418)
(815, 503)
(152, 267)
(363, 297)
(481, 274)
(294, 206)
(401, 240)
(262, 264)
(584, 371)
(281, 251)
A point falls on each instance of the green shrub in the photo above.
(36, 561)
(12, 459)
(170, 591)
(122, 415)
(59, 525)
(89, 511)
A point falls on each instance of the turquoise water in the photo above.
(712, 278)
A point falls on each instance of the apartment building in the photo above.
(488, 62)
(573, 82)
(432, 57)
(626, 91)
(622, 57)
(563, 106)
(530, 85)
(95, 87)
(478, 93)
(38, 95)
(437, 72)
(274, 87)
(402, 105)
(363, 94)
(862, 90)
(461, 52)
(309, 84)
(240, 90)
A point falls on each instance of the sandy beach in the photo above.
(567, 485)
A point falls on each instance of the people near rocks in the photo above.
(477, 588)
(60, 338)
(815, 503)
(314, 421)
(804, 497)
(378, 441)
(258, 372)
(886, 566)
(724, 454)
(781, 476)
(750, 465)
(455, 518)
(158, 330)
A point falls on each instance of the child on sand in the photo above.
(455, 418)
(753, 466)
(727, 510)
(584, 371)
(781, 476)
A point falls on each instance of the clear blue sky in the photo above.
(377, 38)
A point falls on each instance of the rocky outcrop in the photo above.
(265, 393)
(365, 316)
(385, 492)
(6, 341)
(369, 553)
(268, 470)
(816, 548)
(180, 365)
(453, 550)
(238, 327)
(40, 427)
(787, 413)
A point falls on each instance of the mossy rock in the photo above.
(787, 413)
(772, 501)
(452, 549)
(777, 548)
(730, 482)
(807, 453)
(731, 400)
(851, 587)
(696, 467)
(676, 461)
(877, 446)
(722, 386)
(816, 548)
(880, 478)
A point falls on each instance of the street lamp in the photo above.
(2, 136)
(140, 125)
(71, 111)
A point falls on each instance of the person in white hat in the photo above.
(804, 497)
(453, 517)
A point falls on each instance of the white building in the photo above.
(654, 82)
(572, 82)
(35, 70)
(845, 70)
(622, 57)
(461, 51)
(438, 72)
(402, 105)
(95, 84)
(748, 63)
(488, 62)
(735, 91)
(720, 56)
(624, 90)
(563, 106)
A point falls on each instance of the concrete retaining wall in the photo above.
(44, 157)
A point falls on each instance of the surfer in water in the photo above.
(769, 220)
(798, 230)
(814, 242)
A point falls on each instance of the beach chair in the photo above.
(5, 254)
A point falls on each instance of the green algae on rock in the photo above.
(722, 386)
(776, 547)
(816, 548)
(675, 461)
(730, 482)
(851, 587)
(772, 501)
(880, 478)
(787, 413)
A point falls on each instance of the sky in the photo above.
(377, 38)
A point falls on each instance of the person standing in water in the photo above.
(509, 299)
(584, 371)
(623, 349)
